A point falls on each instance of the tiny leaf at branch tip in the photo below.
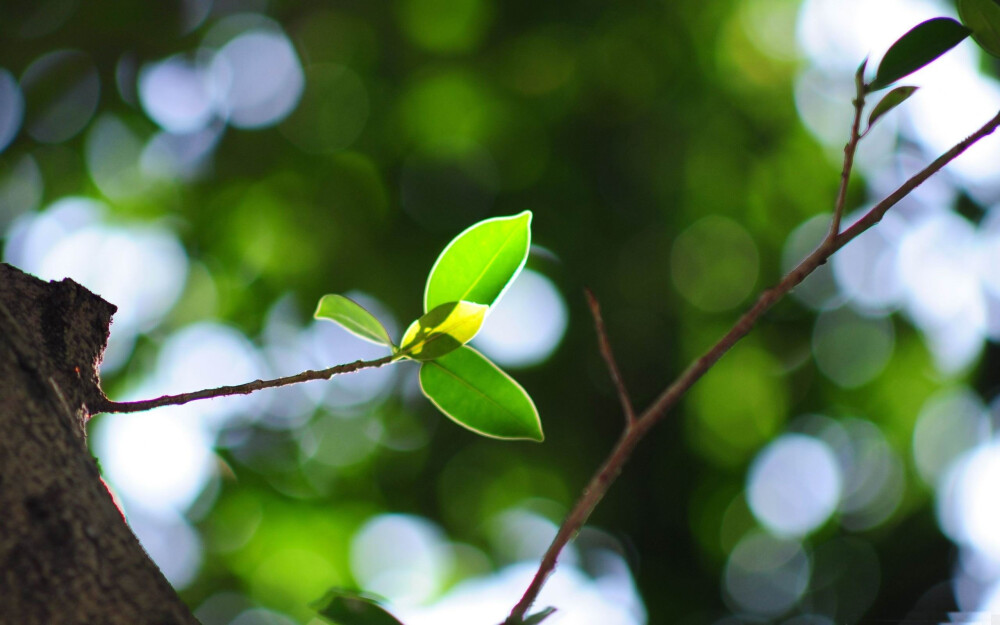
(861, 68)
(982, 17)
(351, 316)
(891, 100)
(540, 616)
(918, 47)
(859, 76)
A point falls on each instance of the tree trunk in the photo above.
(66, 554)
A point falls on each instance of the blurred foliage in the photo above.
(621, 126)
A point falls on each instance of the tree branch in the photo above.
(605, 346)
(107, 405)
(849, 150)
(612, 466)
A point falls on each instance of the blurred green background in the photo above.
(213, 168)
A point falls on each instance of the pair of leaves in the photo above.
(930, 39)
(919, 46)
(468, 278)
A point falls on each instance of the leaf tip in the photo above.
(319, 306)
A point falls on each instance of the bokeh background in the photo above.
(214, 167)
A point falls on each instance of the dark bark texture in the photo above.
(66, 554)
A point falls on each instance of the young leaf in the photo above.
(479, 264)
(859, 74)
(983, 18)
(478, 395)
(539, 616)
(918, 47)
(346, 607)
(353, 318)
(891, 100)
(444, 329)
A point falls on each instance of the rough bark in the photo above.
(66, 554)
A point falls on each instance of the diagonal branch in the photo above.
(609, 357)
(242, 389)
(612, 466)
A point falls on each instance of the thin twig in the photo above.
(241, 389)
(612, 466)
(849, 150)
(609, 358)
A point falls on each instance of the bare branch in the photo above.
(242, 389)
(609, 358)
(849, 150)
(612, 466)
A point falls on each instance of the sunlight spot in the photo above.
(176, 94)
(521, 535)
(446, 25)
(838, 34)
(141, 268)
(208, 355)
(333, 110)
(61, 92)
(867, 270)
(873, 475)
(794, 485)
(21, 188)
(160, 460)
(257, 78)
(403, 558)
(968, 506)
(340, 441)
(185, 157)
(527, 324)
(850, 349)
(950, 422)
(714, 263)
(112, 152)
(937, 257)
(766, 576)
(11, 108)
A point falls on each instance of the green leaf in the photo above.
(478, 395)
(859, 74)
(918, 47)
(353, 318)
(891, 100)
(442, 330)
(539, 616)
(347, 607)
(479, 264)
(983, 18)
